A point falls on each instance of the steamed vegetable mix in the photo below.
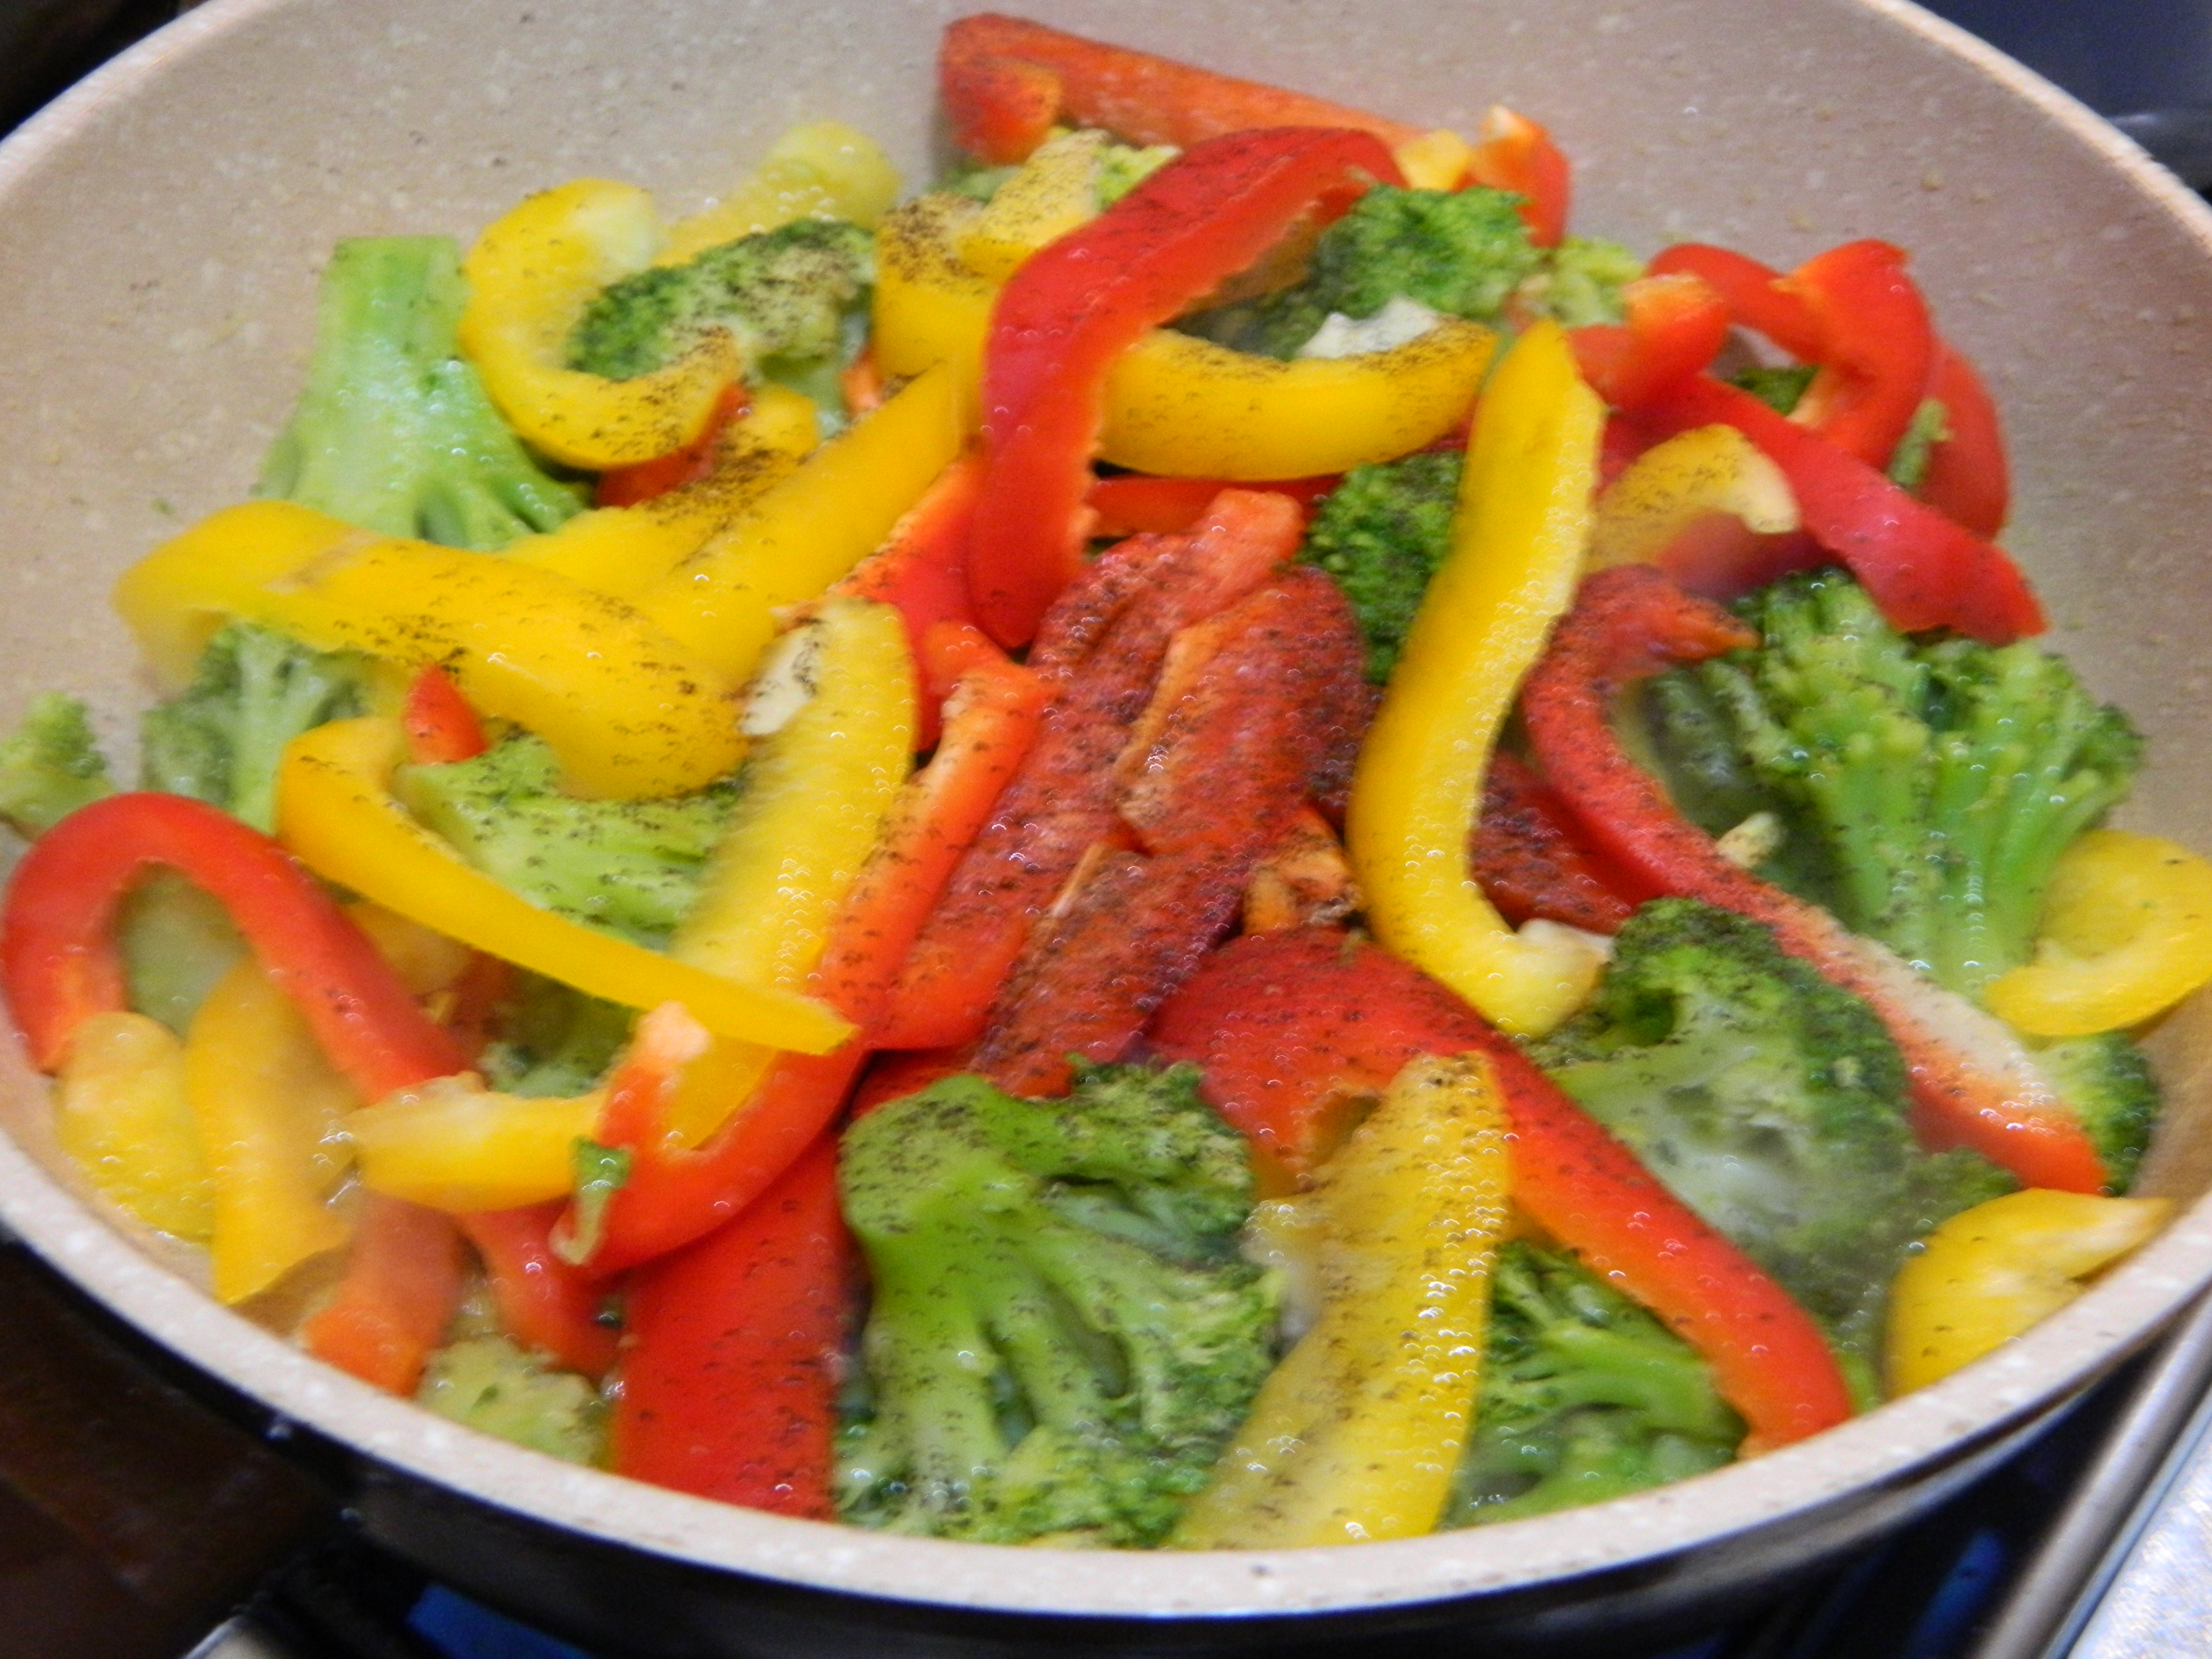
(1192, 843)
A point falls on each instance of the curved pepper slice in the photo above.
(1985, 1276)
(1512, 152)
(1356, 1434)
(1517, 544)
(1967, 478)
(1673, 327)
(627, 711)
(2127, 933)
(59, 966)
(820, 170)
(531, 275)
(1076, 305)
(543, 1303)
(334, 808)
(403, 1283)
(1696, 505)
(121, 1111)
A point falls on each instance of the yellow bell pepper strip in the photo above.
(121, 1112)
(823, 170)
(1053, 191)
(531, 275)
(334, 810)
(627, 711)
(1673, 486)
(624, 550)
(1985, 1276)
(1177, 405)
(2127, 933)
(269, 1104)
(1356, 1434)
(451, 1143)
(1517, 545)
(720, 605)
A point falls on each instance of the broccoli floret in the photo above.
(1939, 780)
(49, 765)
(630, 866)
(1580, 282)
(796, 299)
(393, 431)
(220, 738)
(1459, 252)
(2107, 1080)
(1771, 1101)
(553, 1040)
(1380, 535)
(1584, 1396)
(1777, 386)
(492, 1384)
(1063, 1335)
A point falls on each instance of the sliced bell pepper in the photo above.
(734, 1349)
(1707, 507)
(1076, 306)
(336, 811)
(269, 1106)
(1876, 348)
(809, 529)
(1304, 880)
(1053, 192)
(121, 1112)
(1673, 328)
(2126, 933)
(1356, 1434)
(1752, 293)
(1517, 545)
(451, 1143)
(1528, 855)
(820, 170)
(1924, 570)
(1985, 1276)
(57, 956)
(627, 711)
(1292, 1029)
(402, 1286)
(1973, 1083)
(1005, 81)
(626, 486)
(441, 726)
(543, 1303)
(1133, 503)
(1966, 479)
(530, 275)
(1512, 152)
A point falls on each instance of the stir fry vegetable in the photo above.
(1200, 847)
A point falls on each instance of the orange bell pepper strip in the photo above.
(1973, 1084)
(58, 961)
(734, 1348)
(402, 1286)
(1294, 1029)
(1007, 81)
(1071, 309)
(1512, 152)
(543, 1303)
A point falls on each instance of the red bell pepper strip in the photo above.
(1966, 479)
(626, 486)
(1005, 81)
(1072, 307)
(402, 1286)
(671, 1196)
(729, 1381)
(1923, 568)
(1674, 328)
(1876, 348)
(1514, 153)
(1749, 288)
(1138, 504)
(543, 1303)
(1972, 1084)
(897, 1073)
(438, 720)
(1292, 1028)
(1218, 772)
(1098, 652)
(1528, 854)
(59, 963)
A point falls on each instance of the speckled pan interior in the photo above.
(160, 233)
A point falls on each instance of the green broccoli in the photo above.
(2107, 1080)
(795, 297)
(220, 738)
(1459, 252)
(1771, 1101)
(1584, 1396)
(1380, 535)
(49, 765)
(492, 1384)
(393, 431)
(554, 1040)
(1580, 282)
(1062, 1335)
(630, 866)
(1937, 782)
